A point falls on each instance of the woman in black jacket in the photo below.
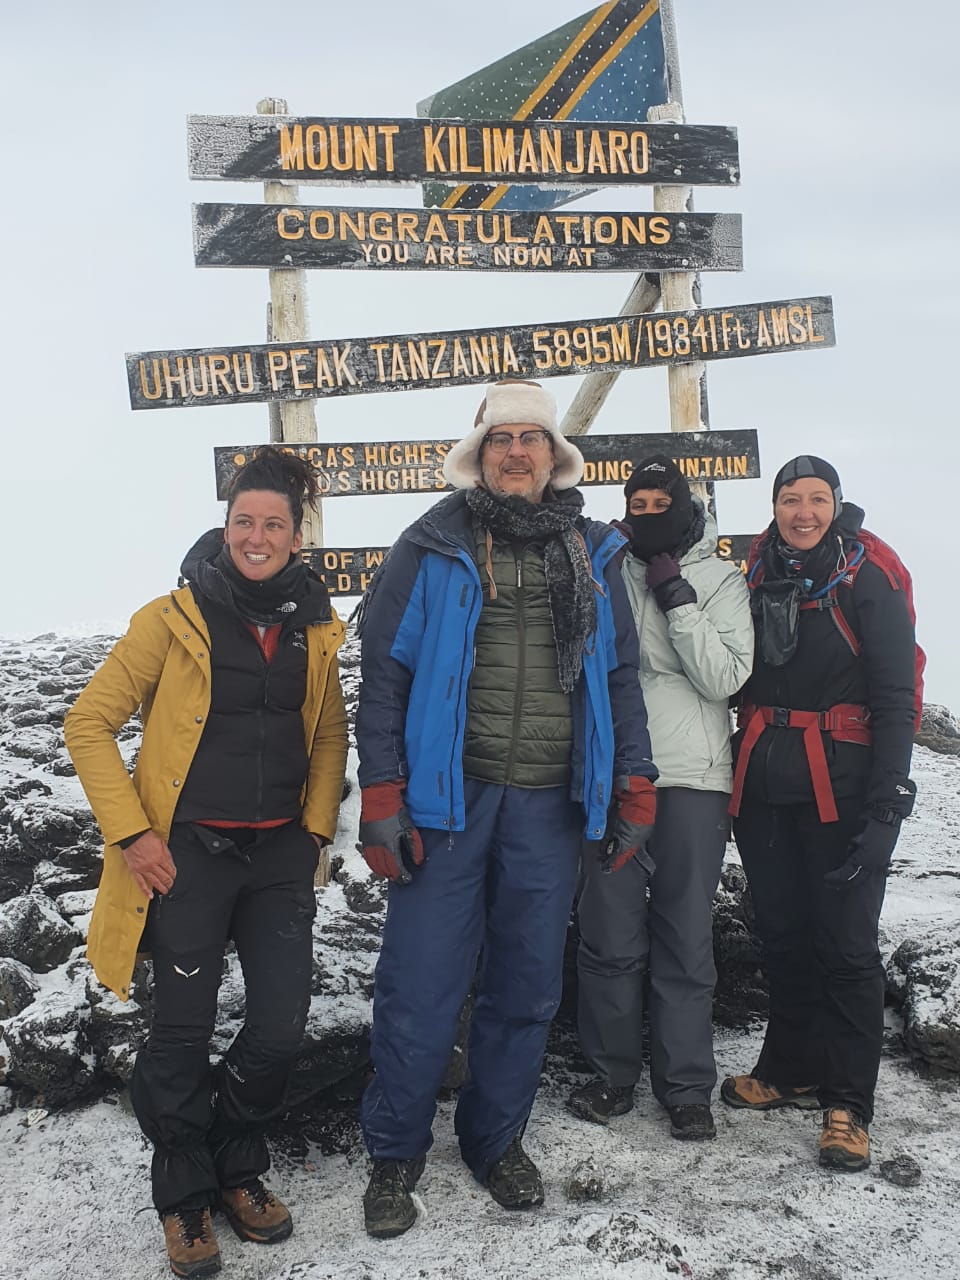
(821, 786)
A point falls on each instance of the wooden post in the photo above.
(677, 290)
(595, 387)
(292, 421)
(688, 389)
(686, 382)
(287, 322)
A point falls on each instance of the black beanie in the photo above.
(657, 472)
(662, 531)
(807, 466)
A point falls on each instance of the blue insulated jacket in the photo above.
(417, 627)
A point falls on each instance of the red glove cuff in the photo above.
(381, 800)
(638, 801)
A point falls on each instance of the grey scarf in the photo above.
(566, 562)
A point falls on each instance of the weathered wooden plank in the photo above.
(380, 152)
(416, 466)
(347, 570)
(326, 238)
(736, 547)
(406, 362)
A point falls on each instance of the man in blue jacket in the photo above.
(501, 724)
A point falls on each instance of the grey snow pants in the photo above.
(634, 924)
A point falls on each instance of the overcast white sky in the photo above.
(847, 116)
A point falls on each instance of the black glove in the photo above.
(870, 851)
(669, 588)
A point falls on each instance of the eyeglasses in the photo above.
(501, 441)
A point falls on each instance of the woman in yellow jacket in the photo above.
(217, 836)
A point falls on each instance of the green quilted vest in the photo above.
(519, 726)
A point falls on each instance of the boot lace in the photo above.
(844, 1123)
(258, 1193)
(514, 1161)
(392, 1176)
(193, 1226)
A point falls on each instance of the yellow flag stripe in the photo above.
(542, 89)
(610, 55)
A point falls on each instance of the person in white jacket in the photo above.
(653, 922)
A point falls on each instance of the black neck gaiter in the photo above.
(662, 532)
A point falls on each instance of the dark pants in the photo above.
(624, 938)
(821, 951)
(206, 1126)
(504, 885)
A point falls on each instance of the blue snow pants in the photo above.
(504, 886)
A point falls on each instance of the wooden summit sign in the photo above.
(301, 236)
(545, 152)
(416, 466)
(347, 570)
(352, 366)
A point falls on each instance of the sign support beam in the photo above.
(287, 322)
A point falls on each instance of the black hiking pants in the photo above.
(207, 1125)
(821, 952)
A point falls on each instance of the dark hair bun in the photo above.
(277, 471)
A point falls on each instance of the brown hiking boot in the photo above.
(191, 1242)
(255, 1213)
(844, 1142)
(756, 1095)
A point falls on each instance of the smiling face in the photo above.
(260, 533)
(804, 511)
(521, 470)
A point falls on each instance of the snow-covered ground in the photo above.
(750, 1206)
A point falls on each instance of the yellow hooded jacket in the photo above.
(162, 667)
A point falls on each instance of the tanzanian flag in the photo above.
(607, 65)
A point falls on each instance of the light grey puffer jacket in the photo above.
(691, 660)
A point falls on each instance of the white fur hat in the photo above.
(509, 404)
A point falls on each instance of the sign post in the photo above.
(288, 323)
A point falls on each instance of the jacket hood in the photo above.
(206, 549)
(200, 570)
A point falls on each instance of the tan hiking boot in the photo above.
(255, 1213)
(844, 1141)
(756, 1095)
(191, 1243)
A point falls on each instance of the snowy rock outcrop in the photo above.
(64, 1039)
(923, 978)
(33, 932)
(939, 730)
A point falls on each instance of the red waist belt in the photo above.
(846, 722)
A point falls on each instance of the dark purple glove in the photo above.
(669, 589)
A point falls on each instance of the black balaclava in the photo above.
(807, 466)
(665, 531)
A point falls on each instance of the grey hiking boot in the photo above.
(692, 1122)
(598, 1101)
(514, 1180)
(388, 1208)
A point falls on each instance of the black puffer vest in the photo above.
(519, 723)
(251, 763)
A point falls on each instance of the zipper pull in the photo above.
(519, 572)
